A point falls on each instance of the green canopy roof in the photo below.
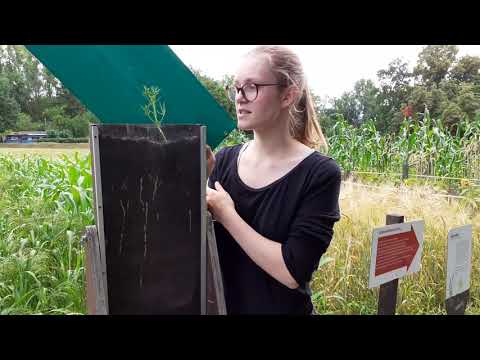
(109, 81)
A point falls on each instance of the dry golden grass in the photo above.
(48, 150)
(340, 286)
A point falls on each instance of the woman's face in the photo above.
(264, 111)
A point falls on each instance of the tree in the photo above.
(325, 113)
(72, 106)
(434, 63)
(24, 122)
(396, 76)
(451, 100)
(366, 93)
(56, 117)
(452, 115)
(34, 87)
(9, 108)
(467, 70)
(348, 106)
(359, 105)
(450, 88)
(13, 71)
(78, 125)
(468, 99)
(217, 90)
(395, 87)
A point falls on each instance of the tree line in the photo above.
(441, 82)
(31, 98)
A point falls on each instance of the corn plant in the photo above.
(428, 146)
(46, 205)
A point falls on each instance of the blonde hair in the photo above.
(288, 69)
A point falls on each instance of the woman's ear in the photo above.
(289, 95)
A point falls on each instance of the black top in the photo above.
(298, 210)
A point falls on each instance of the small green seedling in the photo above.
(154, 110)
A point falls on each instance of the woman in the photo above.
(275, 198)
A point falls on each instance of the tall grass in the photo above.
(45, 205)
(340, 285)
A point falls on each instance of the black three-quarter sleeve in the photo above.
(312, 227)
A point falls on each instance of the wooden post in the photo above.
(387, 296)
(96, 292)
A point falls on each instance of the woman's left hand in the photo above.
(220, 203)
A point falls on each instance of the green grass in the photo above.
(45, 206)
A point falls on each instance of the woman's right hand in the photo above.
(210, 161)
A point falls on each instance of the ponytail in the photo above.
(304, 124)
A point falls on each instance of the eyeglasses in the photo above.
(248, 90)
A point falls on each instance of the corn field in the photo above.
(428, 146)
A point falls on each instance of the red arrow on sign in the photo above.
(396, 251)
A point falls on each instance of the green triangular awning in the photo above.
(109, 81)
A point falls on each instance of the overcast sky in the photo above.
(330, 69)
